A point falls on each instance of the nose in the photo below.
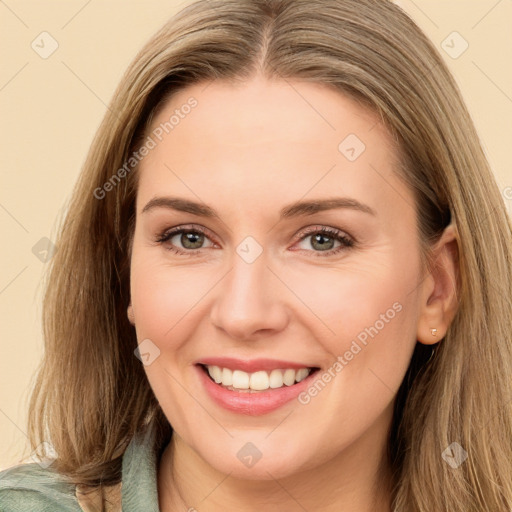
(250, 301)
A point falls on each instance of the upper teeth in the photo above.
(257, 381)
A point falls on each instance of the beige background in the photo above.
(50, 109)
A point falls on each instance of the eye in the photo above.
(183, 240)
(323, 241)
(189, 240)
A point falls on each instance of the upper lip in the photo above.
(253, 365)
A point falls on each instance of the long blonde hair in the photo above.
(92, 395)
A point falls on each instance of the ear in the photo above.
(131, 316)
(439, 293)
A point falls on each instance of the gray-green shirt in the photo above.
(31, 487)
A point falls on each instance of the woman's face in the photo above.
(253, 286)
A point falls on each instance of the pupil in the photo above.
(195, 239)
(323, 245)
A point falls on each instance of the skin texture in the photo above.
(247, 150)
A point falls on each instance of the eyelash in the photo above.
(346, 242)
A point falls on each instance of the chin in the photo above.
(245, 461)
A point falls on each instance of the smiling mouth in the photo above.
(256, 382)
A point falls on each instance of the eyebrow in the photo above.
(292, 210)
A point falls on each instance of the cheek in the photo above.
(360, 298)
(167, 301)
(159, 298)
(365, 317)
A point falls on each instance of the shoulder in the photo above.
(33, 487)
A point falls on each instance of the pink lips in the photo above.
(251, 404)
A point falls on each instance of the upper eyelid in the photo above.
(186, 227)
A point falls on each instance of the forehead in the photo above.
(247, 113)
(276, 140)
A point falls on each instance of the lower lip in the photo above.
(252, 404)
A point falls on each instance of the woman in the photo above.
(284, 280)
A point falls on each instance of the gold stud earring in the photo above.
(433, 332)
